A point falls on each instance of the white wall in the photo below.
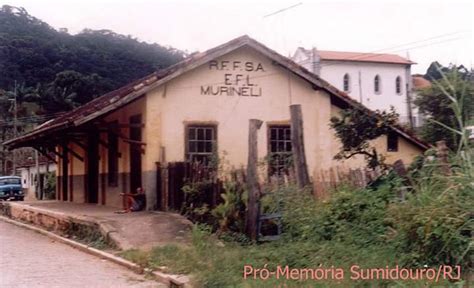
(180, 101)
(28, 177)
(362, 76)
(361, 86)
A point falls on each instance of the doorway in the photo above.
(135, 152)
(65, 173)
(92, 173)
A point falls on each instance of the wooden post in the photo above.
(38, 192)
(297, 142)
(252, 180)
(442, 152)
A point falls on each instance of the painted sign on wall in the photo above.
(237, 79)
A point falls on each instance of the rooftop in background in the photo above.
(31, 162)
(360, 57)
(419, 82)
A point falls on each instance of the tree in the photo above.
(59, 71)
(448, 83)
(355, 128)
(32, 52)
(69, 90)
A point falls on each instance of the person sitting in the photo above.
(134, 201)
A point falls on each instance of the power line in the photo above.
(369, 55)
(432, 43)
(283, 10)
(418, 41)
(364, 55)
(33, 117)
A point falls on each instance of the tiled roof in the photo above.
(30, 162)
(120, 97)
(360, 57)
(419, 82)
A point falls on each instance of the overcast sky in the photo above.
(425, 30)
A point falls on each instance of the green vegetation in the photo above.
(33, 52)
(355, 128)
(50, 186)
(53, 71)
(59, 71)
(448, 83)
(372, 228)
(369, 227)
(87, 234)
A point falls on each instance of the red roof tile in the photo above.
(360, 57)
(363, 57)
(419, 82)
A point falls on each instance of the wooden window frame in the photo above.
(199, 125)
(271, 167)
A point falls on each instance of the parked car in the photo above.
(10, 188)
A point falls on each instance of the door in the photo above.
(92, 173)
(65, 174)
(135, 152)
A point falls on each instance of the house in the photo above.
(374, 79)
(33, 175)
(191, 110)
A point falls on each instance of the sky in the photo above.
(423, 30)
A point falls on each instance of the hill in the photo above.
(35, 55)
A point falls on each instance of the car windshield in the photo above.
(10, 181)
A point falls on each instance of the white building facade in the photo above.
(378, 81)
(31, 179)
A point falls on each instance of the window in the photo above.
(280, 150)
(201, 143)
(10, 181)
(113, 155)
(377, 84)
(398, 85)
(392, 142)
(346, 83)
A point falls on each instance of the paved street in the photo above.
(28, 259)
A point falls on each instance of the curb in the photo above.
(159, 276)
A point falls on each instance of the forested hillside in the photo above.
(44, 72)
(67, 70)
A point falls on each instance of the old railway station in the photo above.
(189, 111)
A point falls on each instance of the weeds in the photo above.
(87, 234)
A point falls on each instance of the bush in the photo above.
(231, 213)
(50, 186)
(355, 216)
(434, 225)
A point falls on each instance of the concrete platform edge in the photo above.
(167, 279)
